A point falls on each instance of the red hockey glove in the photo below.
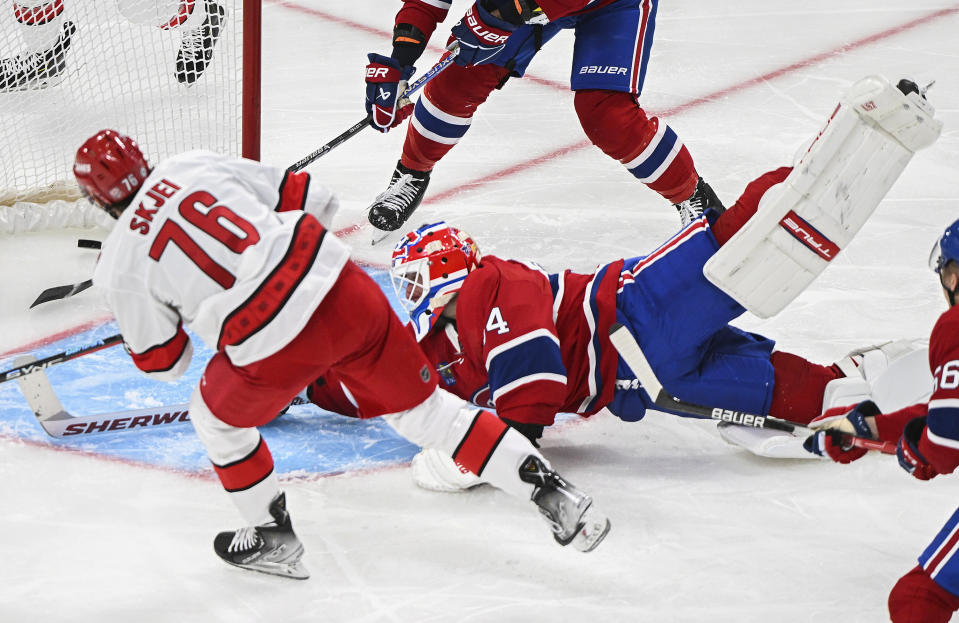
(835, 438)
(910, 459)
(482, 36)
(385, 84)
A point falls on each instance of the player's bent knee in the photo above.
(224, 443)
(438, 422)
(613, 122)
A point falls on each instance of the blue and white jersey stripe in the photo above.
(532, 357)
(942, 422)
(436, 125)
(649, 165)
(591, 313)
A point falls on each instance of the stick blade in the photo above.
(39, 394)
(61, 292)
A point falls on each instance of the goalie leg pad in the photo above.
(765, 442)
(894, 375)
(803, 223)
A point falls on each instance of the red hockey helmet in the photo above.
(428, 268)
(110, 169)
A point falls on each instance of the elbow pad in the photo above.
(409, 43)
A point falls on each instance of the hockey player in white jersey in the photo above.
(240, 253)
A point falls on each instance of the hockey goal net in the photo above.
(173, 74)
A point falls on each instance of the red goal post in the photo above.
(152, 69)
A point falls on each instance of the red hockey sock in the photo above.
(798, 387)
(736, 216)
(916, 598)
(457, 91)
(615, 123)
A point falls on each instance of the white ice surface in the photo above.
(701, 531)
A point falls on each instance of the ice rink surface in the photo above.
(701, 531)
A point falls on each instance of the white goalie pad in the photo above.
(803, 223)
(894, 376)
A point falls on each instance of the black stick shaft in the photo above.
(66, 355)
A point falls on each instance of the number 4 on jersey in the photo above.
(496, 322)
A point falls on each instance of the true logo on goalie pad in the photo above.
(809, 236)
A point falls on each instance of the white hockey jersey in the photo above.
(236, 250)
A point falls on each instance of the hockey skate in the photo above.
(395, 205)
(271, 548)
(702, 199)
(37, 70)
(568, 511)
(196, 44)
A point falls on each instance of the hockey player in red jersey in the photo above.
(497, 39)
(507, 333)
(927, 438)
(239, 252)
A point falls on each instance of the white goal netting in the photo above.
(167, 72)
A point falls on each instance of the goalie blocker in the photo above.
(803, 223)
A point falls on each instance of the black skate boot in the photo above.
(271, 548)
(702, 199)
(396, 204)
(196, 45)
(37, 70)
(569, 511)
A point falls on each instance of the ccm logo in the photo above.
(809, 236)
(602, 69)
(738, 417)
(479, 29)
(377, 72)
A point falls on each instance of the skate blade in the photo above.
(593, 529)
(295, 570)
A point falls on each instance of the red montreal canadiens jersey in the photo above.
(426, 14)
(528, 343)
(940, 440)
(222, 245)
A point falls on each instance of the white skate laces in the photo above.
(400, 194)
(244, 539)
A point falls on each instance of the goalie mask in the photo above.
(110, 169)
(428, 269)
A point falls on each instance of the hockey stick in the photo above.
(61, 292)
(58, 422)
(35, 365)
(634, 357)
(356, 128)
